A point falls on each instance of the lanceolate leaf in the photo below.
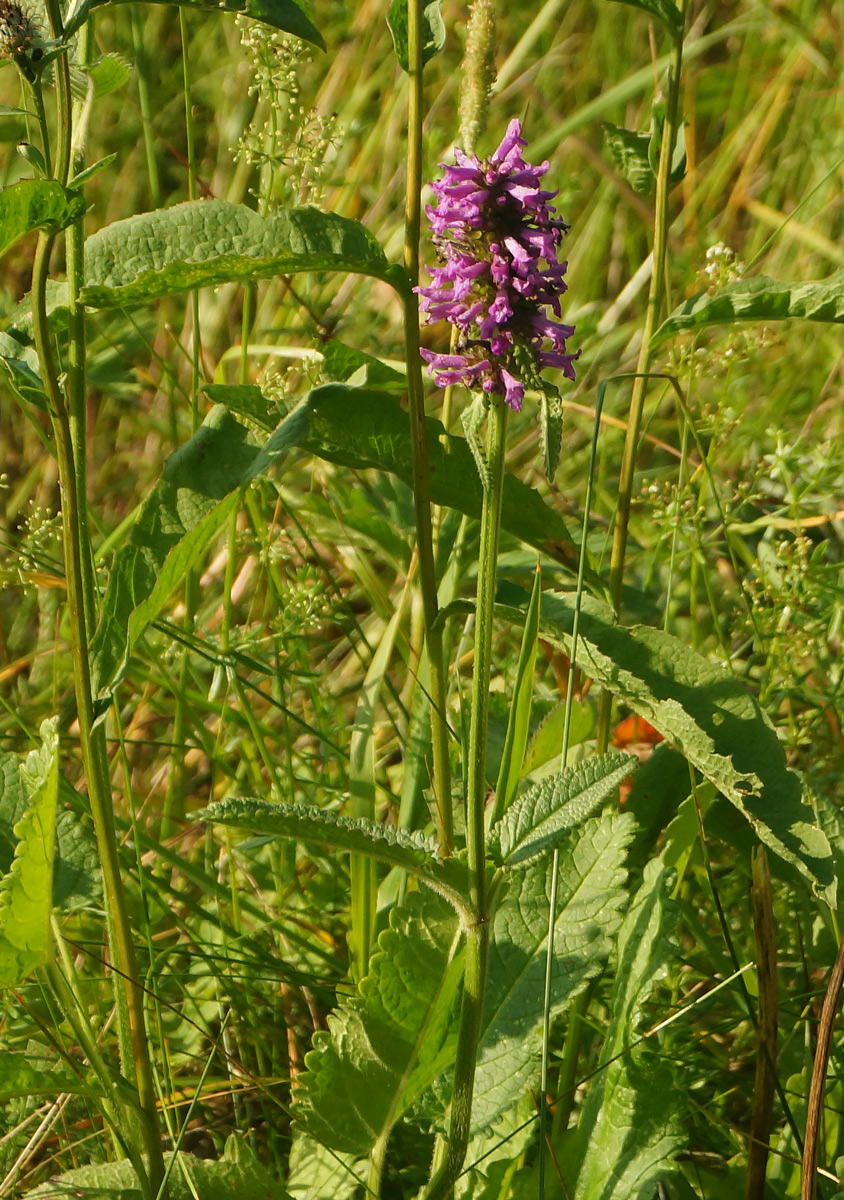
(291, 16)
(433, 30)
(36, 204)
(665, 11)
(590, 895)
(541, 818)
(760, 299)
(389, 1042)
(412, 851)
(709, 715)
(26, 888)
(206, 242)
(632, 1123)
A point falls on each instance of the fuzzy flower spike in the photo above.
(500, 282)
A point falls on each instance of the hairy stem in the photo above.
(477, 937)
(416, 397)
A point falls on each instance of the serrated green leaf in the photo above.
(629, 152)
(111, 72)
(202, 243)
(760, 299)
(433, 30)
(390, 1041)
(550, 428)
(632, 1123)
(36, 204)
(590, 895)
(706, 713)
(665, 11)
(412, 851)
(539, 820)
(291, 16)
(27, 887)
(544, 748)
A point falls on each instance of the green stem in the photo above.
(477, 935)
(143, 72)
(637, 400)
(38, 98)
(416, 397)
(91, 735)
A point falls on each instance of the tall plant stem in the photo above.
(92, 736)
(66, 411)
(416, 398)
(637, 400)
(477, 936)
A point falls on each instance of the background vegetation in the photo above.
(250, 683)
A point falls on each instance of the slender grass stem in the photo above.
(416, 398)
(143, 73)
(637, 399)
(477, 936)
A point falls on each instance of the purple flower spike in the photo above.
(497, 239)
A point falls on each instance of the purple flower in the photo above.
(497, 239)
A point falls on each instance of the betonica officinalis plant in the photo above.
(421, 603)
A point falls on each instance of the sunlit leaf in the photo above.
(760, 299)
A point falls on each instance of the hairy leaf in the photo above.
(36, 204)
(539, 820)
(291, 16)
(590, 895)
(26, 888)
(665, 11)
(632, 1123)
(202, 243)
(760, 299)
(411, 850)
(388, 1043)
(433, 30)
(708, 714)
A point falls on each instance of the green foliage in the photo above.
(412, 851)
(387, 1044)
(205, 242)
(632, 1123)
(291, 16)
(629, 153)
(665, 11)
(26, 888)
(22, 364)
(541, 818)
(590, 897)
(710, 716)
(236, 1176)
(18, 1077)
(433, 30)
(317, 1173)
(36, 204)
(518, 723)
(759, 299)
